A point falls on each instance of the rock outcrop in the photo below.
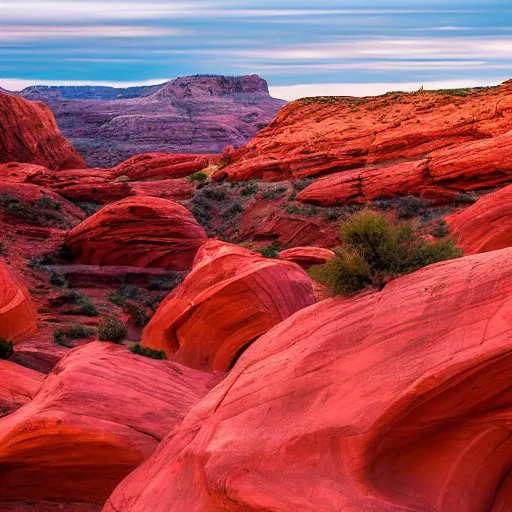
(17, 312)
(98, 415)
(317, 136)
(306, 257)
(200, 114)
(486, 225)
(162, 166)
(231, 297)
(18, 385)
(140, 232)
(29, 133)
(386, 402)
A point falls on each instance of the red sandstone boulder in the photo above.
(18, 385)
(231, 297)
(30, 134)
(140, 232)
(98, 415)
(485, 225)
(307, 256)
(17, 312)
(385, 402)
(162, 166)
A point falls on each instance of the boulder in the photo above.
(138, 231)
(98, 415)
(231, 297)
(485, 225)
(18, 385)
(307, 256)
(392, 401)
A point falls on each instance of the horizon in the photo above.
(337, 48)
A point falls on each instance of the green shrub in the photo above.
(124, 293)
(3, 250)
(148, 352)
(58, 279)
(273, 193)
(301, 184)
(235, 209)
(85, 306)
(376, 251)
(6, 349)
(198, 177)
(112, 329)
(43, 212)
(165, 283)
(78, 331)
(47, 203)
(250, 189)
(271, 251)
(137, 313)
(440, 229)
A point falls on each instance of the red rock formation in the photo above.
(29, 133)
(316, 136)
(39, 205)
(17, 312)
(99, 414)
(265, 220)
(231, 297)
(307, 256)
(162, 166)
(18, 385)
(46, 506)
(140, 232)
(386, 402)
(486, 225)
(200, 114)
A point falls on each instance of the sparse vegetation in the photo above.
(43, 212)
(58, 280)
(273, 193)
(165, 283)
(271, 251)
(440, 229)
(84, 304)
(6, 349)
(73, 331)
(250, 189)
(3, 250)
(198, 177)
(137, 313)
(302, 183)
(124, 293)
(90, 208)
(112, 329)
(376, 251)
(235, 209)
(148, 352)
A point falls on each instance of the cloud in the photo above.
(293, 92)
(15, 33)
(17, 84)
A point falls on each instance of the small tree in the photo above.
(376, 251)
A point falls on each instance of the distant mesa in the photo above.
(197, 114)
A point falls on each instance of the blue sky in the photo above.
(326, 46)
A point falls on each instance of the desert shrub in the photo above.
(271, 251)
(304, 210)
(202, 209)
(466, 198)
(249, 190)
(124, 292)
(112, 329)
(376, 250)
(301, 184)
(77, 331)
(90, 208)
(273, 193)
(6, 349)
(58, 279)
(148, 352)
(85, 305)
(165, 283)
(60, 339)
(43, 212)
(198, 177)
(3, 250)
(153, 301)
(440, 229)
(137, 313)
(122, 179)
(235, 209)
(408, 207)
(215, 192)
(64, 253)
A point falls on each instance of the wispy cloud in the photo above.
(49, 32)
(18, 84)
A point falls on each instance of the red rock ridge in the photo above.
(29, 133)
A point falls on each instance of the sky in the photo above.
(302, 48)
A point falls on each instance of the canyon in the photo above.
(165, 346)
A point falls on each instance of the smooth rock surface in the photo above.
(29, 133)
(98, 415)
(385, 402)
(231, 297)
(307, 256)
(140, 232)
(18, 385)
